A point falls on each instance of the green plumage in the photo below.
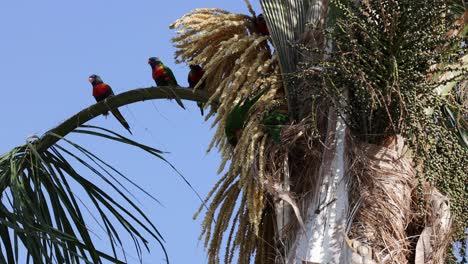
(236, 119)
(163, 76)
(172, 80)
(274, 122)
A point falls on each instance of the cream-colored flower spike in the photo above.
(238, 63)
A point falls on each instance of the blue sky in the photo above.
(49, 48)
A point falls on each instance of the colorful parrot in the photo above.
(102, 91)
(163, 76)
(261, 25)
(194, 76)
(235, 121)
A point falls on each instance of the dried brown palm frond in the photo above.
(249, 6)
(289, 176)
(431, 247)
(238, 64)
(381, 113)
(383, 183)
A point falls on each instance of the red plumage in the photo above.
(263, 29)
(194, 76)
(261, 25)
(159, 72)
(101, 91)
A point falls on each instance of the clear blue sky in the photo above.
(49, 48)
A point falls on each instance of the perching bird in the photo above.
(235, 121)
(261, 25)
(102, 91)
(163, 76)
(194, 76)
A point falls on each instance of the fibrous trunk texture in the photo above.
(364, 207)
(434, 239)
(322, 239)
(383, 180)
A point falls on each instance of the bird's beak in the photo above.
(91, 80)
(149, 62)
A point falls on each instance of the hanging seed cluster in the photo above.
(384, 52)
(238, 64)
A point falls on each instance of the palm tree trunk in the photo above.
(373, 206)
(322, 240)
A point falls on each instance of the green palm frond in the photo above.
(453, 78)
(297, 30)
(286, 21)
(458, 121)
(41, 211)
(455, 110)
(457, 7)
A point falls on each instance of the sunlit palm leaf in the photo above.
(453, 79)
(297, 30)
(457, 7)
(286, 20)
(41, 212)
(114, 136)
(457, 121)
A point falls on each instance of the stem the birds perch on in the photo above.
(130, 97)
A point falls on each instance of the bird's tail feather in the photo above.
(172, 95)
(177, 98)
(200, 105)
(121, 119)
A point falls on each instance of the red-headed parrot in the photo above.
(194, 76)
(102, 91)
(261, 25)
(163, 76)
(235, 121)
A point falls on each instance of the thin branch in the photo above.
(130, 97)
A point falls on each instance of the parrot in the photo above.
(194, 76)
(274, 122)
(235, 120)
(163, 76)
(102, 91)
(261, 25)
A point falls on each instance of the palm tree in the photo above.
(357, 171)
(351, 151)
(40, 210)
